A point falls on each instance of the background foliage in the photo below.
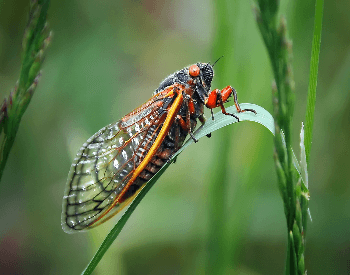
(105, 60)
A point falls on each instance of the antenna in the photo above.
(217, 60)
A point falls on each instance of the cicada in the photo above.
(113, 166)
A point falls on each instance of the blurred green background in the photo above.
(106, 58)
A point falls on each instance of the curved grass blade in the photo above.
(263, 117)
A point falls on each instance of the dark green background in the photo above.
(107, 58)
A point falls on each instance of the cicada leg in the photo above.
(202, 121)
(186, 124)
(217, 98)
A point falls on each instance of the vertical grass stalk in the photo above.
(294, 192)
(35, 41)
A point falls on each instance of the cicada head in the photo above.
(202, 76)
(207, 74)
(199, 75)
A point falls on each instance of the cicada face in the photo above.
(116, 162)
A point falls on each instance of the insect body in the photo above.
(116, 162)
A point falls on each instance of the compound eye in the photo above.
(194, 70)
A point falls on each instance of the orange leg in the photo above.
(217, 98)
(186, 126)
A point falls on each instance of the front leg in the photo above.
(217, 98)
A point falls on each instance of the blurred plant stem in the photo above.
(293, 188)
(216, 246)
(35, 41)
(221, 248)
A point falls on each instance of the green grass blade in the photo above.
(311, 96)
(263, 117)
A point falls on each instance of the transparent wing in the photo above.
(104, 165)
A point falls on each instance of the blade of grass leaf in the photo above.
(263, 117)
(310, 109)
(311, 96)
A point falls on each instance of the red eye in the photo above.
(194, 70)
